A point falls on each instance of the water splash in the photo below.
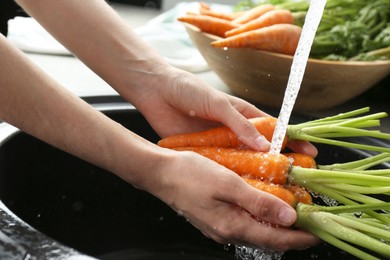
(312, 20)
(247, 253)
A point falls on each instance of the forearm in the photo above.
(32, 101)
(98, 36)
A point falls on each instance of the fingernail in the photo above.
(262, 143)
(287, 216)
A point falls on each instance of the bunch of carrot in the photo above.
(263, 27)
(295, 177)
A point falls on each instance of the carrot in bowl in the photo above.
(253, 13)
(263, 166)
(220, 136)
(208, 24)
(279, 38)
(205, 9)
(270, 18)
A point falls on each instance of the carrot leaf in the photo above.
(330, 130)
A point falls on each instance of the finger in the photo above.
(303, 147)
(240, 228)
(244, 130)
(279, 239)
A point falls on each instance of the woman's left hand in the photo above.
(186, 104)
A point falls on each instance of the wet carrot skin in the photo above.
(220, 136)
(302, 160)
(266, 167)
(301, 194)
(277, 190)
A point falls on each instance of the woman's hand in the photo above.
(224, 207)
(181, 102)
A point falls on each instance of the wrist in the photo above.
(140, 163)
(140, 83)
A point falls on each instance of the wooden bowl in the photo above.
(261, 77)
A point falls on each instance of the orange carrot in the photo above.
(263, 166)
(220, 136)
(301, 194)
(275, 189)
(206, 10)
(208, 24)
(279, 38)
(253, 13)
(270, 18)
(302, 160)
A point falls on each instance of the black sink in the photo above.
(83, 208)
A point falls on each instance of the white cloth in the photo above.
(28, 35)
(170, 38)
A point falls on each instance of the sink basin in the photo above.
(69, 207)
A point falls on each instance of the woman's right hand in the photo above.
(224, 207)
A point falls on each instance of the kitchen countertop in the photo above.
(74, 75)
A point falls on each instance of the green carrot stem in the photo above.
(359, 189)
(336, 119)
(354, 121)
(367, 220)
(346, 198)
(299, 174)
(355, 199)
(343, 115)
(332, 194)
(383, 172)
(360, 226)
(314, 139)
(359, 164)
(325, 236)
(306, 222)
(345, 208)
(350, 235)
(342, 131)
(342, 125)
(358, 197)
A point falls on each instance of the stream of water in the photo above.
(312, 20)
